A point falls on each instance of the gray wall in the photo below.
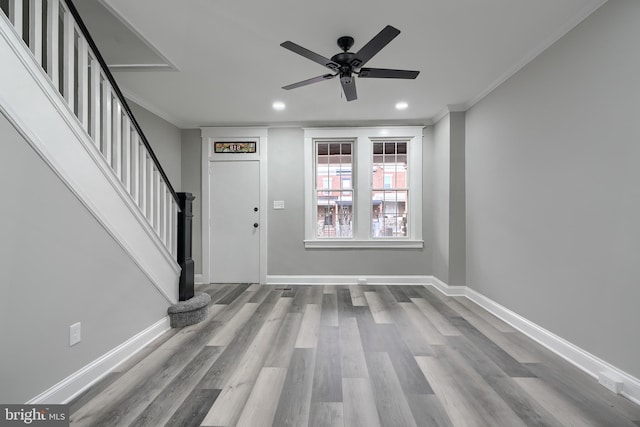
(165, 141)
(441, 152)
(447, 172)
(58, 266)
(553, 204)
(192, 183)
(286, 252)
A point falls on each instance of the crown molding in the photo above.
(532, 54)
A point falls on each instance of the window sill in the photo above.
(363, 244)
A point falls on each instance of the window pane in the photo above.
(389, 190)
(335, 214)
(334, 189)
(389, 214)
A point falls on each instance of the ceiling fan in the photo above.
(345, 64)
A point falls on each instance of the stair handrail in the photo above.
(116, 89)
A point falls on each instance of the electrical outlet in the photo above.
(74, 334)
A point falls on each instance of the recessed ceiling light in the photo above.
(278, 106)
(401, 106)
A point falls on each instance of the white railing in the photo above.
(62, 46)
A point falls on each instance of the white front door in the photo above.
(235, 221)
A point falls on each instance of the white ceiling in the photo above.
(221, 63)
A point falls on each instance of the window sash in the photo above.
(334, 189)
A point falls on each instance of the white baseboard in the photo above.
(580, 358)
(348, 280)
(197, 279)
(76, 383)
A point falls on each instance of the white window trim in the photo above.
(363, 138)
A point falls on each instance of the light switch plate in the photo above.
(74, 334)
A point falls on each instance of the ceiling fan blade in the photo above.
(374, 46)
(309, 81)
(349, 87)
(326, 62)
(384, 73)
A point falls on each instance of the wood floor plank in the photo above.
(392, 405)
(93, 392)
(359, 405)
(330, 289)
(398, 293)
(345, 304)
(327, 377)
(263, 400)
(428, 411)
(438, 320)
(193, 409)
(488, 405)
(254, 287)
(160, 411)
(228, 406)
(491, 319)
(326, 414)
(585, 393)
(228, 331)
(357, 296)
(378, 310)
(281, 351)
(567, 414)
(235, 293)
(295, 399)
(308, 334)
(411, 335)
(354, 364)
(225, 366)
(508, 364)
(329, 315)
(531, 412)
(300, 300)
(423, 325)
(498, 337)
(459, 409)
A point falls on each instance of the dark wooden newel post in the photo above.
(185, 218)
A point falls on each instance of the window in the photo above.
(363, 187)
(334, 199)
(389, 193)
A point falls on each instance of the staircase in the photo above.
(57, 90)
(88, 233)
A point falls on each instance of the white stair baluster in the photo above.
(126, 152)
(142, 201)
(135, 167)
(83, 82)
(53, 56)
(107, 115)
(96, 105)
(35, 29)
(117, 138)
(15, 15)
(68, 85)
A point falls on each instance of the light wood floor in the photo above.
(347, 356)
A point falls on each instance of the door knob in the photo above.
(255, 225)
(255, 209)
